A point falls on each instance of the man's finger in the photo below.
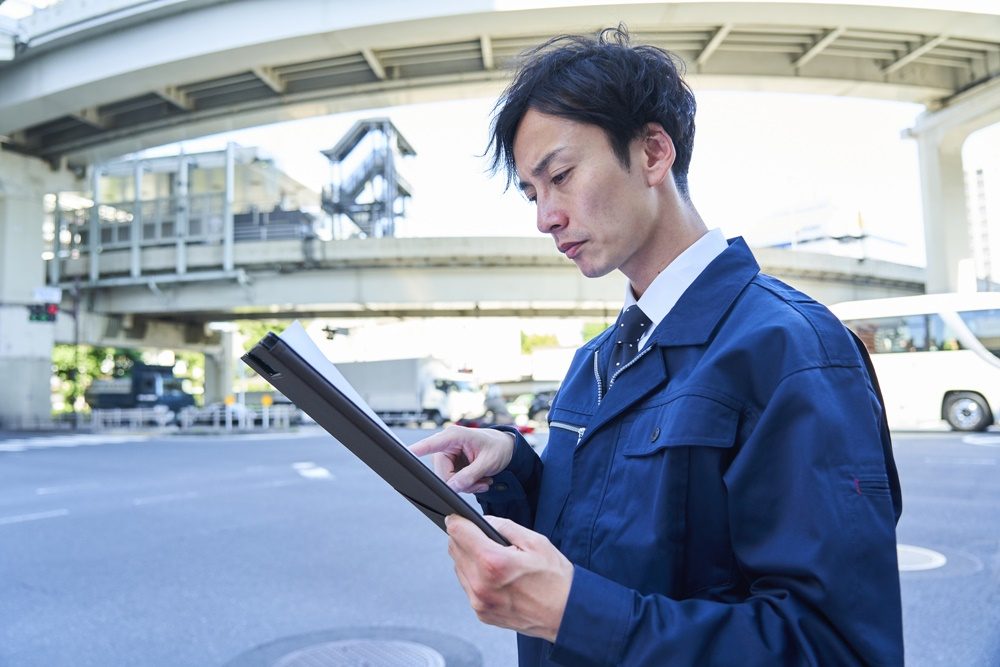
(432, 444)
(513, 532)
(467, 479)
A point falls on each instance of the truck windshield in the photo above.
(985, 325)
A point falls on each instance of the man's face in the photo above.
(600, 215)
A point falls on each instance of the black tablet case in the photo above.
(278, 363)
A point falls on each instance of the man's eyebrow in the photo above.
(543, 164)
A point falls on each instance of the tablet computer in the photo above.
(311, 382)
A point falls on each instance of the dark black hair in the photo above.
(605, 81)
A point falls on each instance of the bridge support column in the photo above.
(219, 367)
(25, 347)
(940, 136)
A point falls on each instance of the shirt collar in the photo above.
(665, 290)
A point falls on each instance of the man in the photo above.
(718, 485)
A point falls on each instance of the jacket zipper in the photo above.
(622, 369)
(579, 430)
(597, 374)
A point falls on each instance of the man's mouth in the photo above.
(571, 249)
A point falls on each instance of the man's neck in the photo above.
(679, 228)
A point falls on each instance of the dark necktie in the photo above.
(632, 325)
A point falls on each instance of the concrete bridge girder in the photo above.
(320, 58)
(422, 277)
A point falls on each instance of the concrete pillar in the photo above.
(25, 347)
(940, 135)
(946, 225)
(219, 367)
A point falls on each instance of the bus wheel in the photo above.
(966, 411)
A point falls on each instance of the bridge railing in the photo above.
(160, 224)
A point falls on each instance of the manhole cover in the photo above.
(364, 653)
(915, 559)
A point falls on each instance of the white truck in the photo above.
(415, 390)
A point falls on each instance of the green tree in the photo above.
(75, 368)
(593, 329)
(531, 341)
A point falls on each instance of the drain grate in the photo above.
(364, 653)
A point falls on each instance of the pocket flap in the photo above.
(686, 421)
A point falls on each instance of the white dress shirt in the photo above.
(671, 283)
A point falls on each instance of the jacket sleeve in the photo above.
(812, 528)
(514, 492)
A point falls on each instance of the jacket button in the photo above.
(500, 486)
(655, 435)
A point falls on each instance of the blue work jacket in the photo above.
(730, 499)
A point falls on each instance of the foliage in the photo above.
(593, 329)
(254, 330)
(531, 341)
(75, 370)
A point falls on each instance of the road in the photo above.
(241, 550)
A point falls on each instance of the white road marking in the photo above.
(916, 559)
(310, 470)
(21, 518)
(961, 461)
(69, 440)
(49, 490)
(982, 440)
(166, 498)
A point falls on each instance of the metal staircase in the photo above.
(372, 193)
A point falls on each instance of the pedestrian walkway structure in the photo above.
(84, 82)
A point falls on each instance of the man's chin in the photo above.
(593, 271)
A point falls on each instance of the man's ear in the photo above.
(657, 153)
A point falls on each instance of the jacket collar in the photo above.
(695, 315)
(693, 319)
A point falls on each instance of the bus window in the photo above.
(942, 336)
(892, 334)
(985, 324)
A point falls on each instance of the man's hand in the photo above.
(467, 458)
(523, 587)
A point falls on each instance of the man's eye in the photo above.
(560, 177)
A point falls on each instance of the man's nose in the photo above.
(551, 217)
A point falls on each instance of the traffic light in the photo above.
(43, 312)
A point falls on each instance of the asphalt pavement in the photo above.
(238, 550)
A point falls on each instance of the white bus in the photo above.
(937, 356)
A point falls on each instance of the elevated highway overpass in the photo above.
(414, 277)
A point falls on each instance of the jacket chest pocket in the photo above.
(665, 479)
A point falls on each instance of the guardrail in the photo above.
(159, 415)
(216, 417)
(233, 417)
